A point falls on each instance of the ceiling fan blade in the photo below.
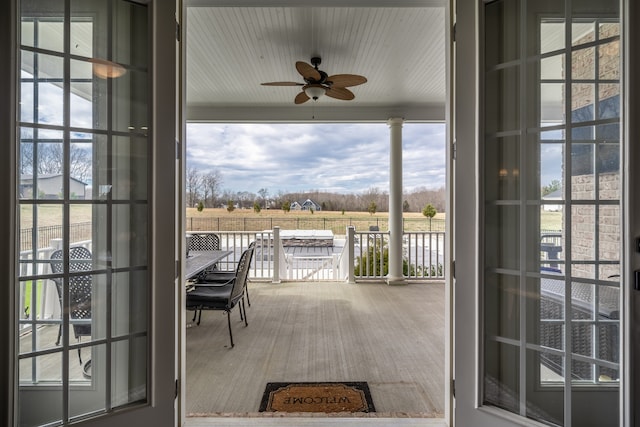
(344, 80)
(301, 98)
(282, 84)
(307, 71)
(340, 93)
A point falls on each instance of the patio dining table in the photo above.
(198, 261)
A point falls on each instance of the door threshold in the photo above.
(375, 420)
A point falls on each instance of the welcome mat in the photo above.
(327, 397)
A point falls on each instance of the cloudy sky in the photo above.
(341, 158)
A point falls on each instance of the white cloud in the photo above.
(343, 158)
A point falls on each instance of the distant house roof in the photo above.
(310, 204)
(554, 195)
(27, 179)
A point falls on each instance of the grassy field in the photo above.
(52, 215)
(548, 220)
(277, 213)
(551, 221)
(247, 220)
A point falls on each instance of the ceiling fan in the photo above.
(318, 83)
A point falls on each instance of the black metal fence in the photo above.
(82, 230)
(77, 232)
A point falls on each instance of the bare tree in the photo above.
(51, 160)
(245, 198)
(80, 161)
(26, 159)
(193, 184)
(422, 196)
(211, 182)
(376, 196)
(263, 192)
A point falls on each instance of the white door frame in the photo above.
(7, 211)
(161, 409)
(631, 131)
(466, 250)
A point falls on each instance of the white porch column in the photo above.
(395, 276)
(351, 239)
(276, 255)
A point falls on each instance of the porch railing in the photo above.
(38, 299)
(355, 256)
(422, 255)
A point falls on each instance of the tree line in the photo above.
(205, 188)
(50, 160)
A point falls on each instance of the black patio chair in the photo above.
(204, 242)
(222, 277)
(223, 296)
(79, 289)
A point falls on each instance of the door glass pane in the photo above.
(552, 33)
(502, 251)
(552, 236)
(547, 404)
(501, 385)
(505, 38)
(84, 247)
(552, 67)
(505, 85)
(503, 155)
(551, 108)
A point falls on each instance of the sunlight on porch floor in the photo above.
(390, 336)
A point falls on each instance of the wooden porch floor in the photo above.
(390, 336)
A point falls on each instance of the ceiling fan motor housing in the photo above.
(322, 80)
(315, 61)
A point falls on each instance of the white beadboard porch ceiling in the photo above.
(234, 45)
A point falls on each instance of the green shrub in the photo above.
(369, 264)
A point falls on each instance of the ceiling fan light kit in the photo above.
(314, 91)
(318, 83)
(107, 69)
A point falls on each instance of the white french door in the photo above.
(542, 198)
(93, 279)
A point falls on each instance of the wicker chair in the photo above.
(582, 334)
(79, 288)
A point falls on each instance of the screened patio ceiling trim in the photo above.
(332, 114)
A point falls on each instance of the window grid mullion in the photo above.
(66, 208)
(568, 363)
(522, 142)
